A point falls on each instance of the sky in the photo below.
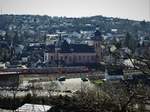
(128, 9)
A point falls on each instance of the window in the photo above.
(88, 58)
(65, 57)
(61, 58)
(70, 59)
(74, 58)
(79, 57)
(92, 57)
(46, 57)
(83, 57)
(51, 57)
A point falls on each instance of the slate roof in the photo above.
(72, 48)
(81, 48)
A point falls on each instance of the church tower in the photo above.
(97, 41)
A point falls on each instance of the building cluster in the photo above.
(61, 52)
(42, 41)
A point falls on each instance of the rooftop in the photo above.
(71, 48)
(33, 108)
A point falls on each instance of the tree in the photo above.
(4, 54)
(51, 87)
(130, 41)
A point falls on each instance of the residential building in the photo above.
(113, 74)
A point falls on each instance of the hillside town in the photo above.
(61, 64)
(29, 41)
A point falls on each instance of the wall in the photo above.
(72, 58)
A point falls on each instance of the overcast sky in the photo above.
(131, 9)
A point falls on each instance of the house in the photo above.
(2, 65)
(51, 38)
(113, 74)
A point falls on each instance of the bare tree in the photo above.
(51, 87)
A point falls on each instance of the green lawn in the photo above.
(98, 82)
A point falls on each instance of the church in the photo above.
(67, 54)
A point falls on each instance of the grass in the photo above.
(98, 82)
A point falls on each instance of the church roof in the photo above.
(71, 48)
(82, 48)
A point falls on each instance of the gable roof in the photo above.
(71, 48)
(81, 48)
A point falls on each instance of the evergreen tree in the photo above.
(130, 42)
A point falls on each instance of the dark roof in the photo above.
(50, 48)
(25, 54)
(71, 48)
(97, 35)
(3, 44)
(35, 47)
(141, 77)
(117, 71)
(82, 48)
